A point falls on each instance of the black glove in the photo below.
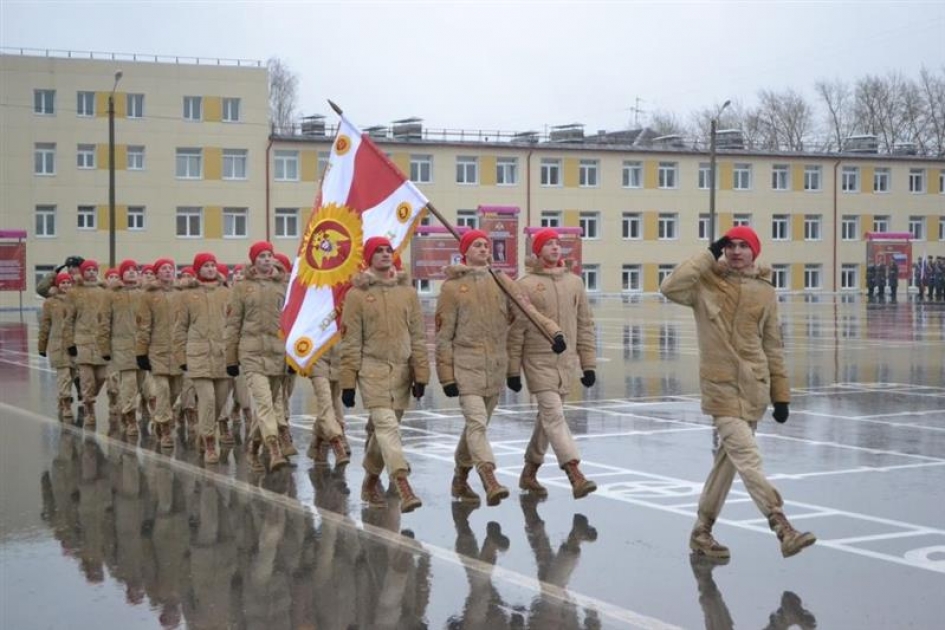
(418, 390)
(144, 363)
(589, 378)
(514, 383)
(781, 412)
(558, 345)
(717, 247)
(183, 368)
(288, 368)
(347, 397)
(43, 354)
(233, 370)
(72, 351)
(59, 268)
(106, 357)
(451, 390)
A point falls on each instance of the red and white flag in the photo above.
(363, 194)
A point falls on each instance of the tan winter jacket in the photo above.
(472, 324)
(158, 312)
(741, 362)
(253, 339)
(559, 295)
(124, 312)
(383, 349)
(57, 310)
(90, 327)
(199, 334)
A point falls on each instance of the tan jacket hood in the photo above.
(277, 275)
(534, 265)
(367, 279)
(761, 271)
(157, 285)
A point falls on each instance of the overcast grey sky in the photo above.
(511, 65)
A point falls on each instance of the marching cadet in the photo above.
(89, 328)
(329, 430)
(57, 310)
(870, 280)
(893, 275)
(186, 403)
(112, 381)
(125, 301)
(241, 413)
(285, 435)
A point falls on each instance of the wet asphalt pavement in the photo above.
(95, 530)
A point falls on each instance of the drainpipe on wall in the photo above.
(528, 188)
(268, 209)
(836, 227)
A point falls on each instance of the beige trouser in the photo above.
(165, 389)
(288, 386)
(64, 382)
(474, 448)
(738, 452)
(241, 397)
(130, 384)
(267, 398)
(383, 443)
(91, 379)
(551, 427)
(211, 399)
(188, 395)
(328, 408)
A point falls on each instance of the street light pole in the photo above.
(111, 172)
(713, 128)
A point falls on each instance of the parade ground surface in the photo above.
(99, 532)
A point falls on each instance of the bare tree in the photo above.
(932, 87)
(665, 123)
(786, 118)
(879, 109)
(283, 87)
(838, 99)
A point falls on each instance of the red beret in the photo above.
(188, 271)
(541, 237)
(88, 264)
(113, 272)
(745, 233)
(125, 266)
(203, 258)
(259, 247)
(147, 268)
(468, 238)
(371, 245)
(284, 261)
(61, 277)
(223, 269)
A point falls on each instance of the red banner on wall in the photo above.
(882, 248)
(570, 243)
(13, 266)
(432, 249)
(501, 224)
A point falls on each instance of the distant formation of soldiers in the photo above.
(928, 276)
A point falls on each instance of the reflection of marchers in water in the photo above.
(555, 569)
(212, 558)
(95, 510)
(61, 495)
(790, 614)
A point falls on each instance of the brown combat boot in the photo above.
(529, 480)
(338, 448)
(252, 455)
(164, 434)
(408, 500)
(580, 486)
(460, 488)
(130, 422)
(702, 542)
(89, 415)
(372, 492)
(495, 491)
(276, 459)
(792, 541)
(210, 454)
(226, 437)
(65, 408)
(318, 450)
(285, 441)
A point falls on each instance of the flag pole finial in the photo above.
(335, 107)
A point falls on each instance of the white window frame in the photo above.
(231, 111)
(467, 218)
(588, 173)
(324, 157)
(941, 182)
(781, 227)
(703, 227)
(467, 170)
(193, 108)
(286, 223)
(780, 177)
(550, 172)
(881, 180)
(741, 218)
(134, 106)
(632, 174)
(813, 227)
(44, 159)
(631, 226)
(188, 163)
(139, 223)
(44, 102)
(631, 278)
(550, 218)
(85, 104)
(705, 175)
(590, 225)
(941, 228)
(668, 226)
(86, 218)
(917, 181)
(135, 158)
(850, 179)
(590, 276)
(421, 169)
(781, 277)
(849, 227)
(881, 222)
(235, 223)
(85, 156)
(917, 227)
(813, 178)
(424, 286)
(663, 271)
(45, 221)
(189, 214)
(233, 159)
(813, 277)
(506, 171)
(668, 175)
(741, 176)
(849, 277)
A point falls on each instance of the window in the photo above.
(632, 226)
(85, 156)
(590, 274)
(506, 171)
(135, 158)
(849, 227)
(234, 163)
(881, 180)
(193, 108)
(85, 218)
(667, 226)
(812, 276)
(550, 172)
(44, 158)
(189, 222)
(136, 218)
(590, 224)
(630, 276)
(741, 219)
(780, 276)
(780, 177)
(286, 166)
(467, 218)
(850, 179)
(135, 105)
(812, 227)
(189, 163)
(663, 272)
(667, 174)
(917, 180)
(941, 228)
(423, 286)
(849, 276)
(881, 223)
(287, 222)
(231, 110)
(45, 221)
(44, 102)
(941, 182)
(632, 174)
(703, 227)
(550, 218)
(705, 175)
(587, 173)
(421, 169)
(85, 104)
(741, 177)
(323, 158)
(780, 227)
(467, 170)
(812, 179)
(917, 227)
(234, 222)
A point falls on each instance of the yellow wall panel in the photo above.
(866, 223)
(102, 218)
(797, 177)
(797, 277)
(101, 104)
(797, 227)
(212, 163)
(101, 157)
(650, 174)
(651, 277)
(402, 161)
(725, 221)
(309, 161)
(212, 108)
(651, 338)
(726, 171)
(571, 218)
(571, 172)
(651, 226)
(121, 217)
(866, 184)
(212, 222)
(487, 170)
(934, 183)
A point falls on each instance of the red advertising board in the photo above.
(883, 248)
(13, 266)
(432, 249)
(570, 242)
(501, 224)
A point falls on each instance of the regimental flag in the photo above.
(363, 194)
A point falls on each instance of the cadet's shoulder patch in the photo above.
(370, 298)
(464, 288)
(540, 287)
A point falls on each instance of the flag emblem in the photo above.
(342, 145)
(331, 248)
